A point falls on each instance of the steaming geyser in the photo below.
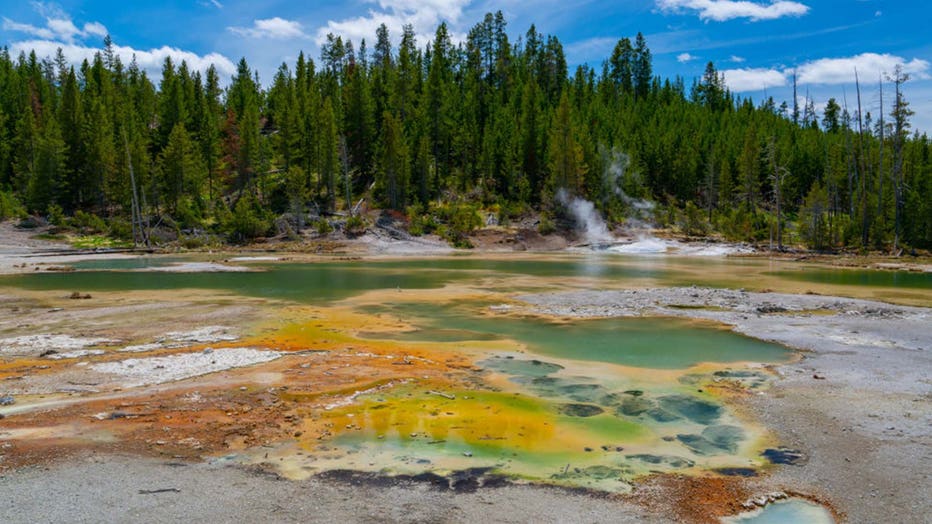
(616, 176)
(587, 219)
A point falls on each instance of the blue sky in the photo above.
(758, 44)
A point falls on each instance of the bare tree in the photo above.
(710, 186)
(900, 115)
(795, 101)
(880, 174)
(777, 174)
(863, 172)
(136, 211)
(849, 155)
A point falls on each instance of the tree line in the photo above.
(486, 123)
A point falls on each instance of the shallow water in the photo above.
(127, 264)
(591, 403)
(667, 343)
(861, 277)
(321, 282)
(791, 511)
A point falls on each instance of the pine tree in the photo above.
(172, 109)
(438, 105)
(359, 123)
(405, 90)
(565, 155)
(900, 114)
(25, 152)
(749, 169)
(421, 170)
(622, 66)
(100, 158)
(330, 155)
(642, 70)
(48, 169)
(71, 121)
(393, 163)
(531, 140)
(209, 140)
(182, 169)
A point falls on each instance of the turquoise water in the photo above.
(124, 264)
(320, 282)
(305, 283)
(860, 277)
(793, 511)
(666, 343)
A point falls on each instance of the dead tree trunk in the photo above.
(865, 222)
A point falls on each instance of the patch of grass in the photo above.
(49, 236)
(98, 242)
(696, 306)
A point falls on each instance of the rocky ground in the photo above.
(132, 489)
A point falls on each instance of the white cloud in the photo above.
(827, 71)
(58, 25)
(62, 33)
(753, 79)
(423, 15)
(64, 28)
(736, 59)
(150, 60)
(41, 32)
(95, 28)
(722, 10)
(870, 67)
(276, 28)
(685, 57)
(48, 9)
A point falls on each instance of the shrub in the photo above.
(465, 219)
(511, 211)
(189, 213)
(193, 241)
(422, 224)
(120, 228)
(355, 226)
(10, 207)
(323, 226)
(248, 221)
(813, 219)
(546, 225)
(460, 219)
(88, 223)
(694, 220)
(739, 224)
(56, 215)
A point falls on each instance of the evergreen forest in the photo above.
(441, 135)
